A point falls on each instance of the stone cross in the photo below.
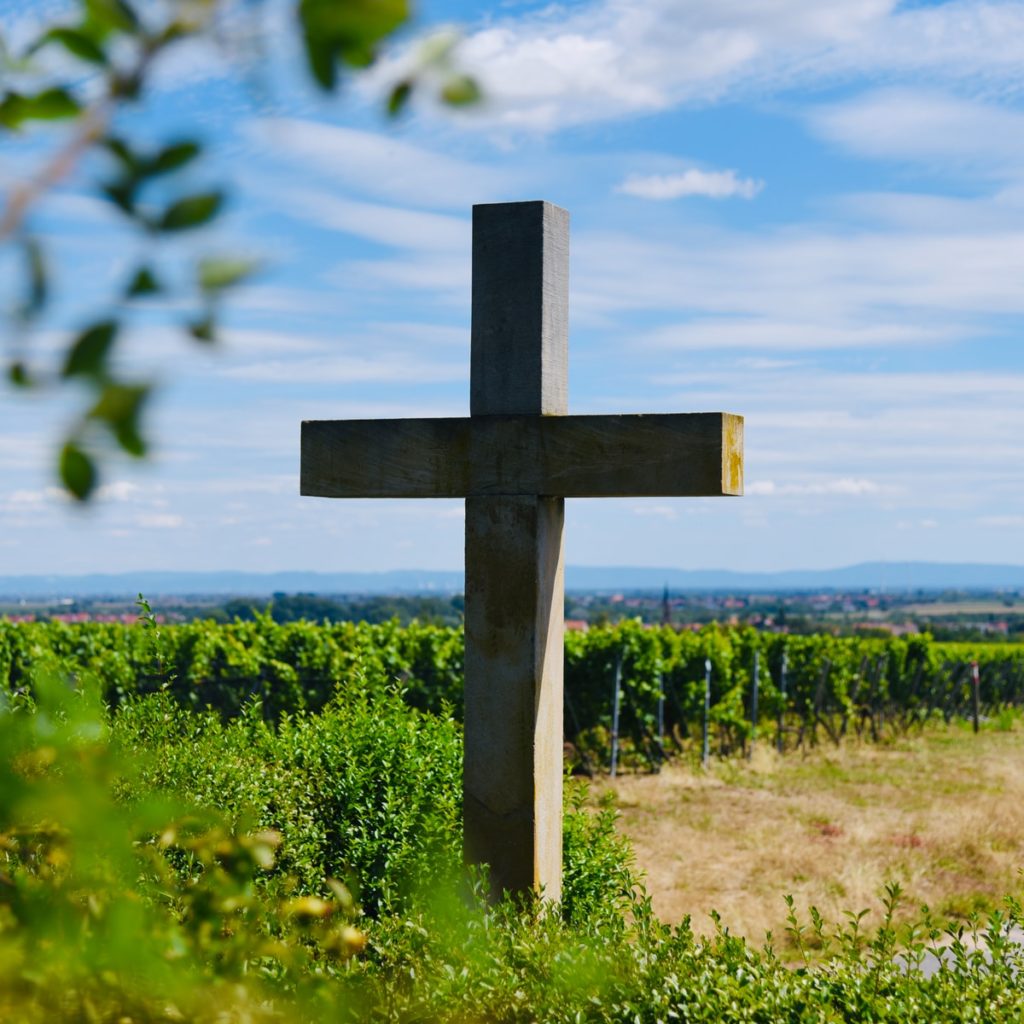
(515, 459)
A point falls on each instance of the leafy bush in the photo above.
(123, 901)
(114, 910)
(367, 788)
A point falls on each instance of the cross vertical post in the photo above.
(515, 585)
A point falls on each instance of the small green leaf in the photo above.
(172, 157)
(38, 280)
(112, 15)
(123, 152)
(143, 283)
(18, 375)
(77, 471)
(347, 32)
(191, 212)
(119, 401)
(88, 355)
(49, 105)
(120, 406)
(321, 62)
(215, 274)
(77, 43)
(121, 193)
(460, 91)
(130, 438)
(204, 330)
(399, 98)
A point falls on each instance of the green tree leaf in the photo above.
(88, 354)
(48, 105)
(18, 375)
(77, 471)
(399, 98)
(460, 91)
(38, 280)
(120, 408)
(78, 43)
(111, 15)
(217, 273)
(191, 212)
(122, 194)
(171, 157)
(204, 330)
(123, 152)
(347, 32)
(144, 282)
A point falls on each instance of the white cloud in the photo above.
(391, 368)
(850, 287)
(847, 487)
(786, 335)
(160, 521)
(694, 182)
(388, 225)
(656, 511)
(925, 126)
(383, 165)
(24, 498)
(119, 490)
(1013, 522)
(576, 63)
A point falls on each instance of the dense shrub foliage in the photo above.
(161, 864)
(811, 688)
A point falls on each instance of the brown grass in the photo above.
(942, 814)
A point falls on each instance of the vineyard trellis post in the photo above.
(976, 695)
(515, 459)
(753, 702)
(616, 698)
(783, 671)
(661, 715)
(705, 758)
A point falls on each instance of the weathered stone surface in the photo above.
(520, 360)
(681, 455)
(512, 779)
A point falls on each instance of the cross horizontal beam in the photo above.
(675, 455)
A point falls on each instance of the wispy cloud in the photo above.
(375, 222)
(383, 165)
(918, 125)
(160, 521)
(1014, 522)
(845, 487)
(395, 368)
(787, 335)
(694, 182)
(606, 59)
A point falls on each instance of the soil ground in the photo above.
(941, 813)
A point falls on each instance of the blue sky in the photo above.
(810, 212)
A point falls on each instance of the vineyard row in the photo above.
(809, 688)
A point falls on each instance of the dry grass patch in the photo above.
(942, 814)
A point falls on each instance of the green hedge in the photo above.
(834, 687)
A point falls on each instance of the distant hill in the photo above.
(891, 576)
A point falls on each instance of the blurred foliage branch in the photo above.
(78, 75)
